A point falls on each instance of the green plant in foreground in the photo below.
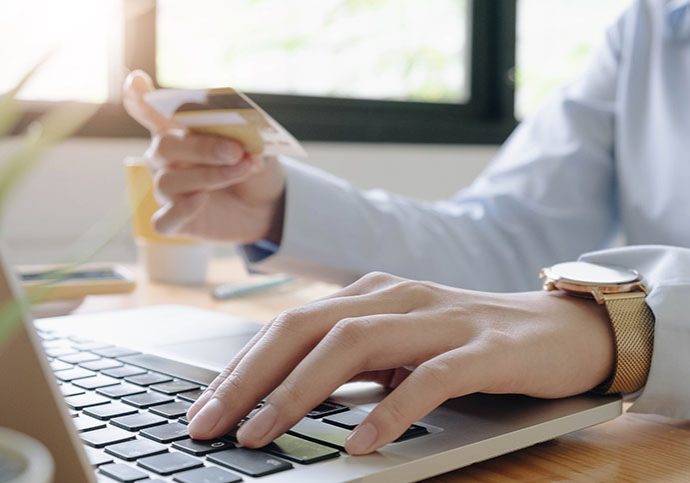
(40, 136)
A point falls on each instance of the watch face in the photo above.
(592, 274)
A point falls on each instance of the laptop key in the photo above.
(412, 432)
(191, 396)
(172, 410)
(326, 408)
(86, 423)
(319, 432)
(70, 390)
(109, 411)
(202, 448)
(100, 364)
(133, 450)
(124, 371)
(348, 420)
(69, 375)
(300, 450)
(174, 368)
(89, 345)
(122, 472)
(97, 457)
(136, 422)
(121, 390)
(78, 357)
(169, 463)
(166, 433)
(174, 387)
(59, 351)
(104, 437)
(114, 352)
(249, 462)
(148, 379)
(147, 399)
(96, 382)
(211, 474)
(82, 401)
(57, 365)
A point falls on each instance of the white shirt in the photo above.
(608, 156)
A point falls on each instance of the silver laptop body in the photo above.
(460, 432)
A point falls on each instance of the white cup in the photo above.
(176, 260)
(32, 461)
(172, 263)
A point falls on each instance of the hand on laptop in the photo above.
(425, 341)
(207, 185)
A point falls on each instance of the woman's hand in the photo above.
(207, 185)
(457, 342)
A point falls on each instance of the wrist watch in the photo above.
(632, 322)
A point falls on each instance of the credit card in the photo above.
(226, 112)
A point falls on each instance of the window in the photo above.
(403, 50)
(332, 70)
(78, 40)
(563, 31)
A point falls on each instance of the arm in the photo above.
(548, 196)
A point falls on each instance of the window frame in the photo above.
(487, 118)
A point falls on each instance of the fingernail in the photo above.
(362, 438)
(227, 151)
(260, 425)
(206, 419)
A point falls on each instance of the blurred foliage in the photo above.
(49, 130)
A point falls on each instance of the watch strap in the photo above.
(632, 322)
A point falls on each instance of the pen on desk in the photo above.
(230, 290)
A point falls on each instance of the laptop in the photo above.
(106, 393)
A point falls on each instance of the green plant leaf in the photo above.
(9, 107)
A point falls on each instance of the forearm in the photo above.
(335, 232)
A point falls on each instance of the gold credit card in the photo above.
(226, 112)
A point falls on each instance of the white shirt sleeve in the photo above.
(548, 196)
(666, 272)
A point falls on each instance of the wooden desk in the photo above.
(630, 448)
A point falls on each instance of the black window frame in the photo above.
(487, 118)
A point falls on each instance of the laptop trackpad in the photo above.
(212, 353)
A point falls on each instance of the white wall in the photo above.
(81, 184)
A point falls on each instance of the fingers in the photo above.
(357, 344)
(136, 85)
(172, 217)
(451, 374)
(172, 182)
(289, 339)
(182, 147)
(203, 399)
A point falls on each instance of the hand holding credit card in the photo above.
(229, 113)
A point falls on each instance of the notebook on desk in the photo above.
(107, 394)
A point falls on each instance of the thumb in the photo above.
(136, 85)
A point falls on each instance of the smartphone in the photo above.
(62, 282)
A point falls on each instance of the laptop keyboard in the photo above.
(129, 409)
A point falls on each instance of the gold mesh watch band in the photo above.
(632, 322)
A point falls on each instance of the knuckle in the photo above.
(231, 384)
(289, 321)
(291, 395)
(437, 374)
(204, 146)
(350, 332)
(164, 145)
(377, 277)
(163, 181)
(410, 289)
(393, 413)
